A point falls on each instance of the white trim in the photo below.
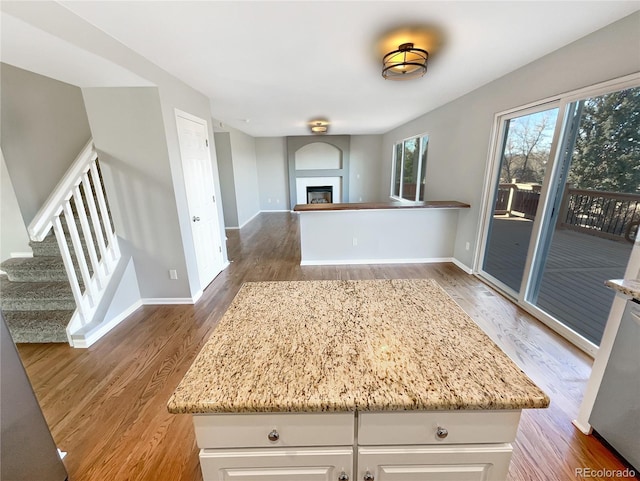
(583, 428)
(276, 210)
(341, 262)
(21, 255)
(462, 266)
(196, 297)
(86, 341)
(251, 218)
(160, 301)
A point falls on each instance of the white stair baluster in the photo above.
(104, 213)
(68, 266)
(88, 237)
(95, 220)
(77, 247)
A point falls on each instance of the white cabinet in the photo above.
(276, 464)
(435, 463)
(391, 446)
(275, 447)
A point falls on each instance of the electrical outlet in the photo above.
(467, 246)
(173, 274)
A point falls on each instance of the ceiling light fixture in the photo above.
(405, 63)
(319, 127)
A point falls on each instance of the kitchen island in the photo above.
(378, 232)
(337, 380)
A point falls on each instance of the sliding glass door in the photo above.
(524, 156)
(564, 207)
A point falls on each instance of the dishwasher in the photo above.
(616, 412)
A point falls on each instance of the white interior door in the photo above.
(198, 177)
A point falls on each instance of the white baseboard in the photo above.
(341, 262)
(462, 266)
(96, 335)
(21, 255)
(197, 296)
(583, 429)
(276, 210)
(159, 301)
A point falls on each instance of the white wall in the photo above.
(44, 127)
(460, 131)
(13, 233)
(271, 160)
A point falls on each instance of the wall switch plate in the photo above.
(355, 241)
(173, 274)
(467, 246)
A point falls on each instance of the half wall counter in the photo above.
(378, 232)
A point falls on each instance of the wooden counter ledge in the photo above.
(430, 204)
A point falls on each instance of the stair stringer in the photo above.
(120, 298)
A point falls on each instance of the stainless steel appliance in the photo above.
(616, 412)
(27, 449)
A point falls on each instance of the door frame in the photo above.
(222, 265)
(492, 172)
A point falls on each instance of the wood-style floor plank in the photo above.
(106, 405)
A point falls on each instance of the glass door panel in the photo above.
(587, 239)
(524, 155)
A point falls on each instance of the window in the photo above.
(409, 168)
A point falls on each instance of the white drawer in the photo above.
(293, 429)
(420, 427)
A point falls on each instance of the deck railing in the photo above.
(600, 213)
(79, 199)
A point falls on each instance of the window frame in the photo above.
(421, 151)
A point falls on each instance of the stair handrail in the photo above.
(42, 223)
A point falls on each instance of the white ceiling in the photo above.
(281, 64)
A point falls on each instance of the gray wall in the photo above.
(271, 159)
(460, 131)
(245, 174)
(13, 233)
(44, 127)
(364, 175)
(227, 182)
(130, 138)
(173, 94)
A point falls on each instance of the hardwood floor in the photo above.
(106, 405)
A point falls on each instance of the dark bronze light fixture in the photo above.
(405, 63)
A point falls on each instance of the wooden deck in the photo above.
(572, 288)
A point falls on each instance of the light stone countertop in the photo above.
(629, 287)
(314, 346)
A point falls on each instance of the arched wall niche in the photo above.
(318, 162)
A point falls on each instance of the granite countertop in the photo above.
(322, 346)
(630, 287)
(428, 204)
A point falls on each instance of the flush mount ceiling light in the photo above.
(405, 63)
(319, 127)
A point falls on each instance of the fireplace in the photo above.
(322, 194)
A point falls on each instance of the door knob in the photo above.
(196, 219)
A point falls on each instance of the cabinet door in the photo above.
(438, 463)
(309, 464)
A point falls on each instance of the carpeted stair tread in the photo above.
(38, 326)
(40, 296)
(35, 269)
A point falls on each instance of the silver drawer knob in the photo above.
(441, 432)
(273, 435)
(368, 476)
(343, 476)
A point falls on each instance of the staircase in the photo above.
(35, 294)
(49, 296)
